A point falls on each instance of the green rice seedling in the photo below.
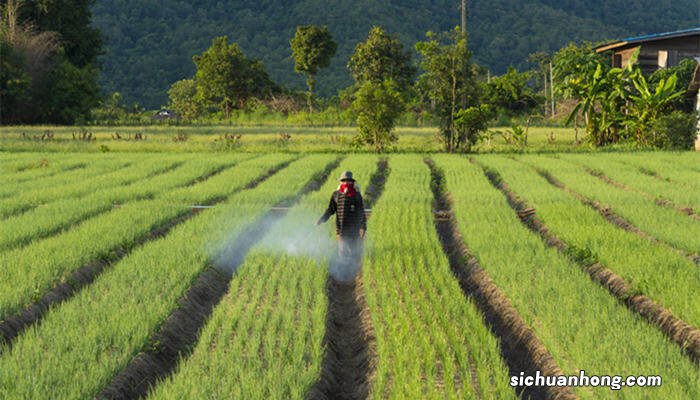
(55, 216)
(264, 340)
(431, 340)
(582, 326)
(30, 272)
(669, 169)
(643, 184)
(82, 344)
(663, 223)
(29, 199)
(652, 269)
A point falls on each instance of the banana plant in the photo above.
(647, 105)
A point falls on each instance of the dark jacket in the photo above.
(350, 212)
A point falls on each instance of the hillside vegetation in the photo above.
(149, 45)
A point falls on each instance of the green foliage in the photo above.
(72, 20)
(616, 103)
(377, 105)
(49, 72)
(73, 93)
(226, 78)
(448, 81)
(471, 123)
(574, 67)
(382, 57)
(676, 130)
(648, 106)
(312, 47)
(14, 82)
(684, 72)
(183, 99)
(510, 93)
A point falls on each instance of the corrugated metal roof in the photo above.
(664, 35)
(648, 38)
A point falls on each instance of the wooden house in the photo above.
(660, 50)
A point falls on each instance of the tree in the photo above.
(471, 123)
(448, 79)
(226, 78)
(382, 57)
(183, 99)
(312, 48)
(377, 105)
(511, 93)
(71, 20)
(44, 79)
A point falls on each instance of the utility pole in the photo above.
(545, 94)
(464, 16)
(464, 31)
(551, 84)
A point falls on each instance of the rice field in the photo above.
(203, 275)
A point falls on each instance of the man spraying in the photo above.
(350, 226)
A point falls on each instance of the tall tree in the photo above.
(71, 19)
(49, 70)
(378, 105)
(183, 99)
(313, 48)
(382, 57)
(445, 59)
(226, 78)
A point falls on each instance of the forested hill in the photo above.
(150, 44)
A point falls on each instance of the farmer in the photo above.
(350, 226)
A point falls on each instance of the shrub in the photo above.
(676, 130)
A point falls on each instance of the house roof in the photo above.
(648, 38)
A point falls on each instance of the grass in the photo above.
(431, 340)
(256, 139)
(652, 269)
(71, 355)
(275, 310)
(663, 223)
(582, 326)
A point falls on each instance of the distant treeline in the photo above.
(149, 45)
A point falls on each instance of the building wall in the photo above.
(660, 53)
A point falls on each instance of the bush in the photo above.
(676, 130)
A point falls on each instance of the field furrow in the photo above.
(265, 338)
(85, 185)
(431, 341)
(63, 214)
(520, 347)
(659, 190)
(180, 331)
(32, 271)
(661, 223)
(649, 268)
(684, 334)
(568, 312)
(99, 331)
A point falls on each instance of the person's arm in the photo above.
(332, 208)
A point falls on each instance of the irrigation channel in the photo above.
(680, 332)
(14, 325)
(520, 348)
(349, 340)
(180, 332)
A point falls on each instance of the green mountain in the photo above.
(150, 43)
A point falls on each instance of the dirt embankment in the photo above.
(520, 348)
(179, 333)
(350, 343)
(679, 331)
